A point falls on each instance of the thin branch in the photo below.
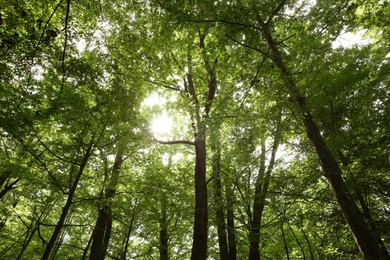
(250, 87)
(36, 157)
(45, 27)
(63, 69)
(175, 142)
(168, 86)
(65, 225)
(225, 22)
(48, 149)
(285, 39)
(250, 47)
(276, 11)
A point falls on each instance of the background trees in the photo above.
(80, 168)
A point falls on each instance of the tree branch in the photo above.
(63, 69)
(250, 47)
(225, 22)
(276, 11)
(175, 142)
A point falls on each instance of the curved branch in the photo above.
(175, 142)
(250, 47)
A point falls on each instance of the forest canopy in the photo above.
(183, 129)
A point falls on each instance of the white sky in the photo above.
(162, 125)
(349, 39)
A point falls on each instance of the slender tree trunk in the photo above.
(285, 242)
(364, 238)
(50, 245)
(30, 234)
(218, 201)
(261, 188)
(102, 232)
(164, 236)
(297, 240)
(258, 206)
(127, 242)
(230, 224)
(199, 247)
(308, 244)
(86, 249)
(367, 215)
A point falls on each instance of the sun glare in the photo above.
(162, 125)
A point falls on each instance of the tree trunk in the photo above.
(285, 242)
(102, 232)
(297, 240)
(261, 188)
(308, 244)
(199, 246)
(258, 206)
(218, 201)
(164, 236)
(362, 234)
(127, 241)
(50, 245)
(230, 224)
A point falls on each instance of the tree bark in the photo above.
(285, 242)
(164, 236)
(230, 224)
(297, 240)
(362, 234)
(261, 188)
(308, 244)
(258, 206)
(102, 232)
(199, 246)
(218, 201)
(50, 245)
(127, 240)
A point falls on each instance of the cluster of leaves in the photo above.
(73, 75)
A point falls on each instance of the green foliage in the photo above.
(69, 79)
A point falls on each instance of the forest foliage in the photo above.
(279, 146)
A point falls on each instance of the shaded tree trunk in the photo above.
(258, 206)
(164, 236)
(230, 224)
(86, 249)
(218, 201)
(261, 188)
(51, 244)
(102, 232)
(364, 238)
(308, 244)
(199, 246)
(297, 240)
(127, 241)
(284, 241)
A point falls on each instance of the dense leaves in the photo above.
(82, 174)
